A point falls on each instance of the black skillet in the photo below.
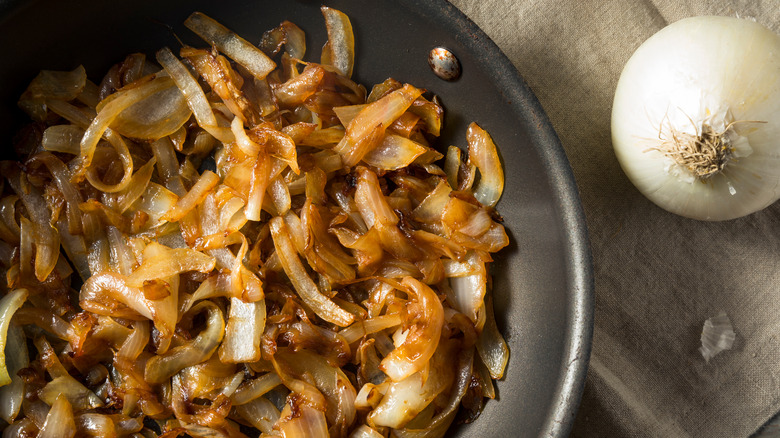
(543, 282)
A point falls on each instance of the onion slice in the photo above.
(196, 98)
(261, 413)
(16, 358)
(366, 130)
(490, 344)
(255, 388)
(232, 45)
(59, 422)
(288, 34)
(9, 304)
(109, 111)
(78, 395)
(168, 262)
(426, 317)
(63, 138)
(307, 290)
(161, 367)
(157, 116)
(394, 152)
(245, 325)
(408, 397)
(207, 181)
(438, 425)
(484, 154)
(339, 51)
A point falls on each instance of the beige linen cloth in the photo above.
(658, 276)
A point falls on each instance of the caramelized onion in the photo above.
(110, 111)
(303, 284)
(366, 130)
(161, 367)
(59, 421)
(260, 243)
(423, 328)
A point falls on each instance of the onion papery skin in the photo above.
(702, 70)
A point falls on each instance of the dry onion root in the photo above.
(239, 239)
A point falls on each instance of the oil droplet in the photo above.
(444, 64)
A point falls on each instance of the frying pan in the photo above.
(542, 282)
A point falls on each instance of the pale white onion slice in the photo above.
(364, 431)
(63, 138)
(232, 45)
(196, 98)
(9, 304)
(255, 388)
(468, 282)
(438, 425)
(407, 397)
(16, 357)
(156, 201)
(329, 380)
(78, 395)
(157, 116)
(339, 51)
(371, 201)
(484, 154)
(261, 413)
(308, 423)
(108, 112)
(244, 331)
(394, 152)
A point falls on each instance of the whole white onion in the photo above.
(696, 118)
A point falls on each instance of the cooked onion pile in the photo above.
(230, 238)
